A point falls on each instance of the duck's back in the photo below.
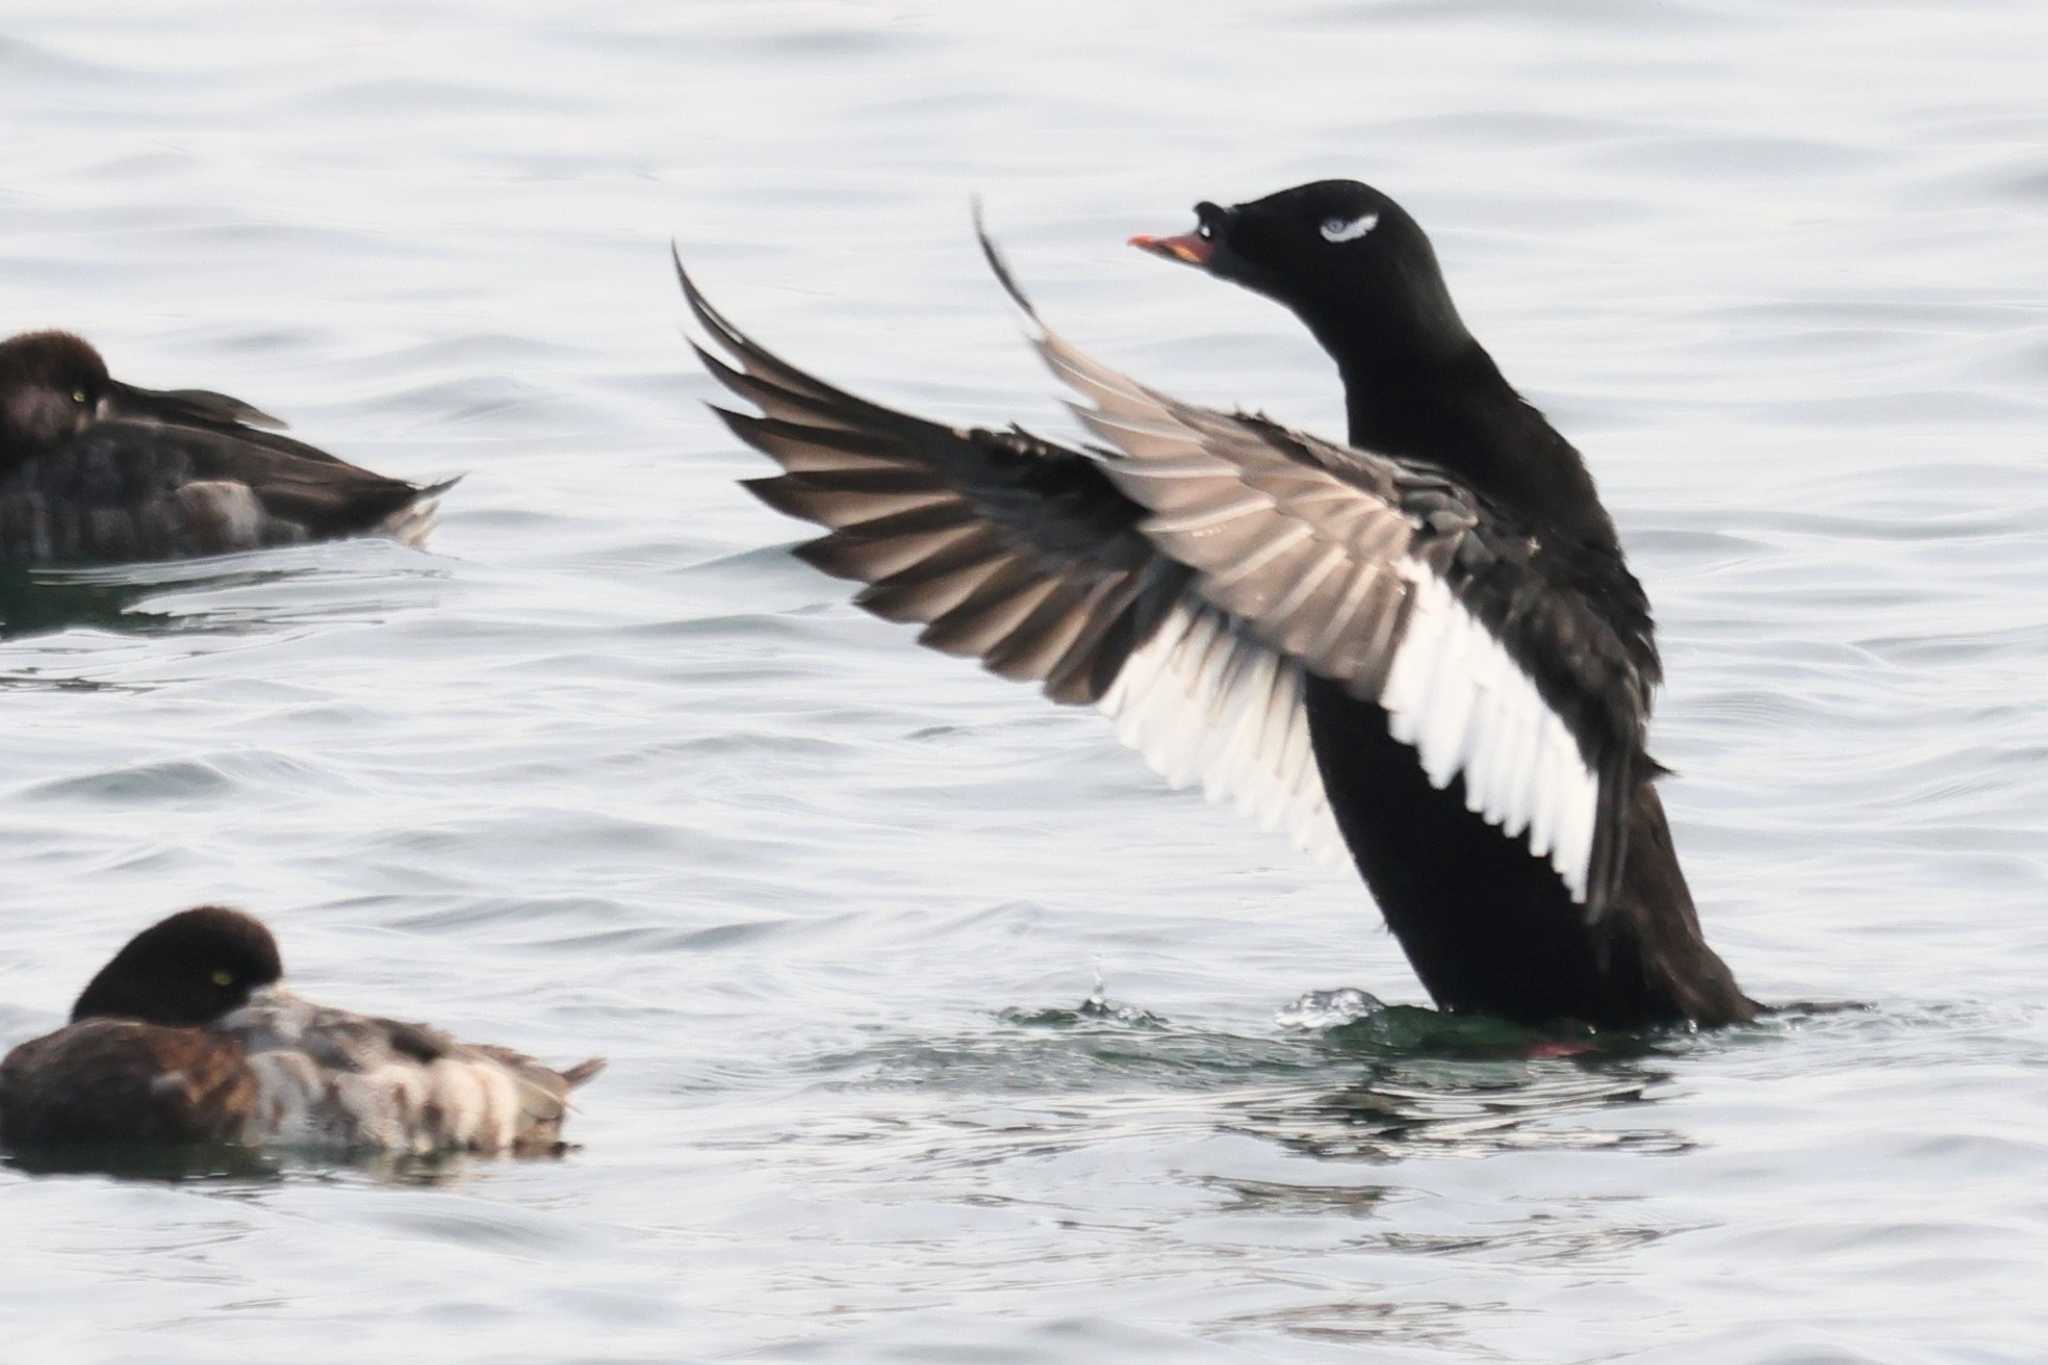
(285, 1073)
(138, 491)
(117, 1080)
(330, 1078)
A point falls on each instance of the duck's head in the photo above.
(1343, 256)
(187, 970)
(54, 385)
(51, 387)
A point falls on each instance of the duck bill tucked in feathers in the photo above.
(184, 407)
(95, 470)
(188, 1035)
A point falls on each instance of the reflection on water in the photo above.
(236, 1169)
(243, 593)
(1402, 1319)
(1392, 1111)
(1397, 1083)
(33, 602)
(221, 1162)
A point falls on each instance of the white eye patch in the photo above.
(1349, 229)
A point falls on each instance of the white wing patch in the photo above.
(1202, 700)
(1294, 553)
(1455, 695)
(1349, 230)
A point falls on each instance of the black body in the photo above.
(1483, 923)
(1486, 925)
(1059, 566)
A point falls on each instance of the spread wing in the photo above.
(1198, 566)
(1026, 555)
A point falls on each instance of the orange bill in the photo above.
(1191, 248)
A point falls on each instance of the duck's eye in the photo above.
(1349, 229)
(1205, 232)
(223, 977)
(78, 397)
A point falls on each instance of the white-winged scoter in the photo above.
(188, 1036)
(94, 471)
(1424, 646)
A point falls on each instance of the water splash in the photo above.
(1317, 1011)
(1097, 1008)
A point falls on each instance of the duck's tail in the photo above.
(411, 523)
(583, 1072)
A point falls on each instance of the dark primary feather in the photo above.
(1004, 546)
(988, 535)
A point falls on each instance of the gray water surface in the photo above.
(608, 772)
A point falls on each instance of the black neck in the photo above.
(1455, 410)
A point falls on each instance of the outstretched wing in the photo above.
(1025, 554)
(1401, 583)
(1245, 557)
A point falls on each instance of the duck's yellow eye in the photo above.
(223, 977)
(78, 397)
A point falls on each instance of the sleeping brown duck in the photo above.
(95, 471)
(189, 1036)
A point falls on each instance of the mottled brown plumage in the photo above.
(107, 1080)
(186, 1036)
